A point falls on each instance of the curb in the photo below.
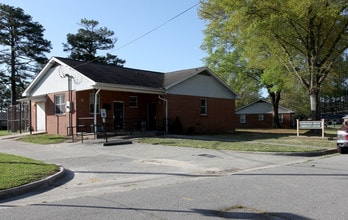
(117, 142)
(310, 154)
(19, 190)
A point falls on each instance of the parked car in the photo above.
(342, 139)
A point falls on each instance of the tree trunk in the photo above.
(13, 73)
(275, 98)
(314, 100)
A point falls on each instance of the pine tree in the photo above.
(23, 48)
(85, 44)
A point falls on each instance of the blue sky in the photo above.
(174, 46)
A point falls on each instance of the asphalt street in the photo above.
(139, 181)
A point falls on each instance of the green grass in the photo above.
(17, 171)
(272, 140)
(43, 139)
(4, 132)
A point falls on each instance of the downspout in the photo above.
(166, 119)
(30, 126)
(95, 111)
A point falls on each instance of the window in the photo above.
(203, 107)
(59, 103)
(133, 101)
(242, 119)
(260, 117)
(281, 117)
(91, 103)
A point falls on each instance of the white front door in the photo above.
(40, 116)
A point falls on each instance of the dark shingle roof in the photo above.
(178, 76)
(103, 73)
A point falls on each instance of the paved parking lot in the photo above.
(96, 169)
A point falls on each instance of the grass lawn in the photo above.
(43, 138)
(17, 171)
(265, 140)
(4, 132)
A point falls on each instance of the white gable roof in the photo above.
(54, 78)
(198, 82)
(261, 107)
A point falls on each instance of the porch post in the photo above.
(95, 110)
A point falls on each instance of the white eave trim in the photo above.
(127, 88)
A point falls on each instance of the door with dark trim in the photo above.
(118, 115)
(151, 116)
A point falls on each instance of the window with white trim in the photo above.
(203, 106)
(91, 103)
(242, 119)
(133, 101)
(59, 104)
(281, 118)
(260, 117)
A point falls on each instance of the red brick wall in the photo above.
(220, 117)
(220, 113)
(107, 98)
(57, 124)
(252, 121)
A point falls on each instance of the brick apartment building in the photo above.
(68, 93)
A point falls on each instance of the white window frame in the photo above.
(261, 117)
(281, 118)
(59, 104)
(242, 118)
(203, 107)
(133, 103)
(91, 103)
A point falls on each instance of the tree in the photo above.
(23, 48)
(307, 37)
(85, 44)
(334, 95)
(230, 68)
(245, 71)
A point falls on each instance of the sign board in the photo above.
(103, 112)
(310, 124)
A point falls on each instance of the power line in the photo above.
(159, 26)
(147, 33)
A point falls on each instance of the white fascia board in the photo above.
(125, 88)
(38, 77)
(75, 74)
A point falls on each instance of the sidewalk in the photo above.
(17, 135)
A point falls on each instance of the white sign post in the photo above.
(311, 125)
